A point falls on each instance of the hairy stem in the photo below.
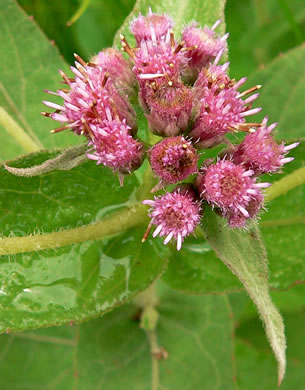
(16, 131)
(286, 184)
(110, 225)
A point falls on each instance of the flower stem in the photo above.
(286, 184)
(110, 225)
(16, 131)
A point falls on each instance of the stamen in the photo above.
(250, 90)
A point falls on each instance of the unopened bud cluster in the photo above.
(189, 100)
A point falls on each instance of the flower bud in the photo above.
(204, 46)
(170, 110)
(220, 112)
(92, 99)
(113, 146)
(176, 214)
(173, 159)
(231, 188)
(260, 152)
(151, 27)
(118, 68)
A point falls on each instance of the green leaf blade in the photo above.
(244, 254)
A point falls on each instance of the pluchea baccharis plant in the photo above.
(191, 102)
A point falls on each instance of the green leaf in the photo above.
(113, 352)
(195, 269)
(259, 32)
(282, 94)
(182, 12)
(244, 254)
(283, 229)
(31, 64)
(76, 278)
(253, 355)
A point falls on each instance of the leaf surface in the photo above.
(244, 254)
(31, 65)
(113, 352)
(79, 280)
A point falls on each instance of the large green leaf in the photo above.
(260, 31)
(182, 12)
(73, 279)
(281, 97)
(30, 64)
(244, 254)
(113, 353)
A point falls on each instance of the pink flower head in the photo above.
(176, 214)
(151, 27)
(260, 152)
(118, 68)
(204, 45)
(221, 111)
(238, 220)
(212, 77)
(173, 159)
(231, 188)
(113, 146)
(91, 95)
(170, 110)
(157, 63)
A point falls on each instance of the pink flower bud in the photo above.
(113, 146)
(260, 152)
(173, 159)
(91, 99)
(151, 27)
(221, 111)
(231, 188)
(176, 214)
(204, 45)
(170, 110)
(118, 68)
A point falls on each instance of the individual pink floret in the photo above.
(260, 152)
(231, 188)
(173, 159)
(176, 214)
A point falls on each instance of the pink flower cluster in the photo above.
(188, 99)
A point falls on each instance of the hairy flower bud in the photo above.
(170, 110)
(118, 68)
(260, 152)
(204, 45)
(221, 111)
(173, 159)
(113, 146)
(176, 214)
(151, 27)
(231, 188)
(92, 96)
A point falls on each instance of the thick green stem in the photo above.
(14, 130)
(286, 184)
(110, 225)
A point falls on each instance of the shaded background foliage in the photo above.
(204, 332)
